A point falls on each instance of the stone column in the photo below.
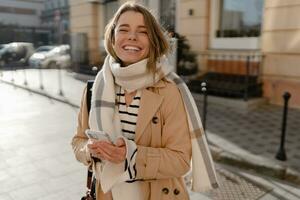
(281, 47)
(85, 17)
(192, 21)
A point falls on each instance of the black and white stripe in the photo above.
(128, 114)
(128, 117)
(131, 169)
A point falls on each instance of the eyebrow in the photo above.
(127, 25)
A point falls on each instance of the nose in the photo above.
(132, 35)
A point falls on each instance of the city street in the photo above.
(38, 163)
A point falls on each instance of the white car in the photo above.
(2, 50)
(17, 52)
(51, 57)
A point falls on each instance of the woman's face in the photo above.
(131, 38)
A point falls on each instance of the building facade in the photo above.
(38, 21)
(236, 27)
(281, 46)
(21, 13)
(20, 21)
(267, 27)
(55, 16)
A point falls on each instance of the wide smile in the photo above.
(130, 48)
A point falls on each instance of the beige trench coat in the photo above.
(163, 142)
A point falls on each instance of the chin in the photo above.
(131, 61)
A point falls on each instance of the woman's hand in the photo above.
(105, 150)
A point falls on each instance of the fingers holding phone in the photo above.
(93, 149)
(102, 147)
(94, 145)
(97, 135)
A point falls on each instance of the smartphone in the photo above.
(97, 135)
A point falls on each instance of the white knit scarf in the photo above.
(104, 116)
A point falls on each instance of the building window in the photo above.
(58, 4)
(46, 6)
(15, 10)
(167, 14)
(110, 9)
(52, 5)
(235, 24)
(240, 18)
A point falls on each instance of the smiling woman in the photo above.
(139, 25)
(149, 114)
(131, 38)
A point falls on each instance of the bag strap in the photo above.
(88, 103)
(89, 94)
(89, 179)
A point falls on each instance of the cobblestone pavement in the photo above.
(258, 130)
(235, 187)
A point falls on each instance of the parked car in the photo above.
(51, 57)
(2, 48)
(16, 53)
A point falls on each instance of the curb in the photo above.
(232, 103)
(40, 92)
(227, 153)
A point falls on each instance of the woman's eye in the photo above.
(143, 32)
(123, 30)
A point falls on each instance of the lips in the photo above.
(131, 48)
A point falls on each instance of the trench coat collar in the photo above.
(160, 84)
(150, 102)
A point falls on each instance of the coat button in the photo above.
(176, 192)
(155, 120)
(165, 190)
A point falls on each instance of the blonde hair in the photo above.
(158, 43)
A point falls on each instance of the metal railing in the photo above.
(35, 78)
(230, 75)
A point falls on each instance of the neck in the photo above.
(130, 93)
(123, 64)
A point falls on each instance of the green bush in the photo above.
(186, 59)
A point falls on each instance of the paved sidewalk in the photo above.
(250, 138)
(226, 146)
(37, 161)
(35, 151)
(31, 79)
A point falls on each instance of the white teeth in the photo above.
(131, 48)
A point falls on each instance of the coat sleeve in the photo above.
(79, 141)
(173, 158)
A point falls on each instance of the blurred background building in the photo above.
(231, 28)
(55, 16)
(20, 21)
(21, 13)
(243, 48)
(264, 27)
(37, 21)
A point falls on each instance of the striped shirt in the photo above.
(128, 117)
(128, 114)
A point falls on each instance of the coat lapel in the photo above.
(149, 104)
